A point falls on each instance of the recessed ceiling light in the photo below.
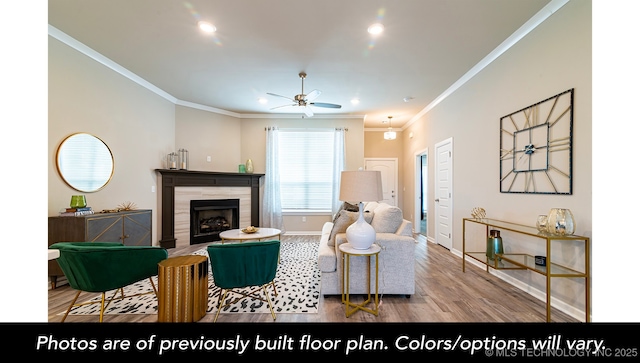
(206, 27)
(355, 101)
(375, 29)
(263, 101)
(407, 99)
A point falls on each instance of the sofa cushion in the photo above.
(343, 220)
(387, 218)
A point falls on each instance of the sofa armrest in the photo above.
(405, 229)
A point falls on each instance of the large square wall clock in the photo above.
(536, 147)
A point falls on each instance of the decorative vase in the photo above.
(494, 245)
(560, 222)
(249, 166)
(541, 223)
(184, 159)
(78, 201)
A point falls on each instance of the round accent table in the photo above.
(347, 252)
(238, 235)
(183, 284)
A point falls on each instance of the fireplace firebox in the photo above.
(211, 216)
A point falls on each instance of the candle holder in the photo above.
(184, 159)
(172, 161)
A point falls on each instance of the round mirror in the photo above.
(84, 162)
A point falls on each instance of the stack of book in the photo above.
(75, 212)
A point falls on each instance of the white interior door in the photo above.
(443, 188)
(388, 168)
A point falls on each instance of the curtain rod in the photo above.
(307, 128)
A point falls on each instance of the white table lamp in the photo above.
(361, 186)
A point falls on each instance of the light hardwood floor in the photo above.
(443, 294)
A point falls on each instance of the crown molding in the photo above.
(525, 29)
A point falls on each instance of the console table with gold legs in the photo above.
(347, 252)
(523, 261)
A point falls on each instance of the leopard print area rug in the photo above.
(297, 281)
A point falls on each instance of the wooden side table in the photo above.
(347, 252)
(183, 284)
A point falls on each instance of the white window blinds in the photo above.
(306, 162)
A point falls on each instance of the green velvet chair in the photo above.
(106, 266)
(240, 265)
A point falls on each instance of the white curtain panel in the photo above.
(338, 167)
(271, 203)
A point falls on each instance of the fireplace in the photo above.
(174, 223)
(210, 217)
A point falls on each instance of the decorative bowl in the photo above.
(249, 231)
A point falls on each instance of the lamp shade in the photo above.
(361, 186)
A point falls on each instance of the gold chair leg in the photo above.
(221, 298)
(155, 291)
(102, 307)
(273, 314)
(70, 306)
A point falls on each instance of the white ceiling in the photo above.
(428, 47)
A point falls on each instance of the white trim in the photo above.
(525, 29)
(73, 43)
(417, 208)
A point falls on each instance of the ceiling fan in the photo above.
(305, 100)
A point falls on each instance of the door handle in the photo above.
(438, 200)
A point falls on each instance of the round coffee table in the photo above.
(238, 235)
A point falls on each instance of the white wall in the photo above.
(553, 58)
(136, 124)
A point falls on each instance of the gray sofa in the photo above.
(396, 269)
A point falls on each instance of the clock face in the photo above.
(536, 147)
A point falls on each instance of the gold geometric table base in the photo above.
(183, 284)
(347, 252)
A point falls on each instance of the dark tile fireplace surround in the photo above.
(182, 178)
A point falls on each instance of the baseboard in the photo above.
(302, 233)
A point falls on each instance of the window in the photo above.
(306, 169)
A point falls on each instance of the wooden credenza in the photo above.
(133, 228)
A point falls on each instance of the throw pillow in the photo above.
(388, 219)
(350, 207)
(344, 219)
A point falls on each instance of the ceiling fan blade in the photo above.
(307, 111)
(313, 95)
(273, 94)
(294, 104)
(325, 105)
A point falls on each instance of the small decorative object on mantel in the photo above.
(241, 169)
(541, 223)
(184, 159)
(478, 213)
(127, 206)
(172, 160)
(560, 222)
(249, 166)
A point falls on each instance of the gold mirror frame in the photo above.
(84, 162)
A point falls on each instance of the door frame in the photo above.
(450, 186)
(417, 210)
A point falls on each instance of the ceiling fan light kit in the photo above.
(304, 100)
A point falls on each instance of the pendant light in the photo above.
(390, 135)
